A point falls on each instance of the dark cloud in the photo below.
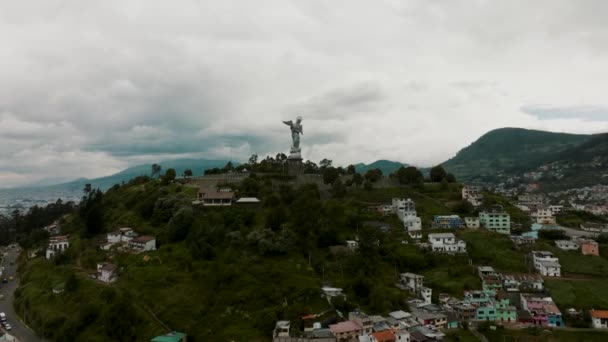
(88, 89)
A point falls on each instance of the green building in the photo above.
(496, 220)
(173, 336)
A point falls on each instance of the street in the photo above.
(19, 330)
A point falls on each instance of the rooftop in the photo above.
(143, 239)
(343, 327)
(173, 336)
(599, 314)
(441, 235)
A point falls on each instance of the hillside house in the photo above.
(567, 245)
(543, 215)
(522, 282)
(447, 222)
(330, 292)
(352, 245)
(472, 222)
(107, 272)
(556, 209)
(543, 310)
(415, 284)
(594, 227)
(346, 331)
(406, 212)
(413, 226)
(215, 197)
(531, 200)
(546, 263)
(496, 220)
(472, 194)
(599, 319)
(486, 271)
(143, 243)
(362, 320)
(589, 247)
(57, 244)
(446, 243)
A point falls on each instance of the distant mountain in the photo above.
(386, 166)
(198, 167)
(511, 152)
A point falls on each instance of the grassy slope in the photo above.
(243, 293)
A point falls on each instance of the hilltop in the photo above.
(508, 153)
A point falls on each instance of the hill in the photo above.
(386, 166)
(509, 153)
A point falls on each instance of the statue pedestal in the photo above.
(294, 165)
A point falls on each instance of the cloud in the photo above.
(88, 89)
(589, 113)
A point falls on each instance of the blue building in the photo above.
(448, 221)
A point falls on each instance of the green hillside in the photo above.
(227, 274)
(508, 152)
(386, 166)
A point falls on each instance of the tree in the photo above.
(330, 175)
(350, 169)
(87, 189)
(325, 163)
(373, 175)
(450, 178)
(180, 223)
(357, 179)
(409, 175)
(368, 186)
(437, 174)
(168, 177)
(155, 170)
(338, 189)
(188, 173)
(253, 159)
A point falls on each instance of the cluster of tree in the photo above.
(26, 228)
(438, 175)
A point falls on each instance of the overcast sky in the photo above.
(88, 88)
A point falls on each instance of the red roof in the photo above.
(599, 314)
(384, 336)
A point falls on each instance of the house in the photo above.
(566, 245)
(447, 221)
(281, 329)
(522, 282)
(330, 292)
(472, 222)
(143, 243)
(383, 336)
(362, 320)
(413, 226)
(486, 271)
(406, 211)
(496, 220)
(400, 315)
(531, 200)
(122, 235)
(524, 239)
(472, 194)
(173, 336)
(477, 298)
(546, 263)
(247, 202)
(543, 310)
(57, 244)
(352, 245)
(346, 331)
(435, 319)
(543, 215)
(446, 243)
(556, 209)
(106, 272)
(589, 247)
(599, 319)
(215, 196)
(486, 312)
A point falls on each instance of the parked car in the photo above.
(2, 317)
(7, 326)
(10, 278)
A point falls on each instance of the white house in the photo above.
(543, 216)
(121, 235)
(567, 245)
(413, 226)
(546, 263)
(472, 222)
(352, 245)
(106, 272)
(330, 292)
(143, 243)
(446, 243)
(411, 281)
(57, 244)
(599, 319)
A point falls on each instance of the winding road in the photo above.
(20, 330)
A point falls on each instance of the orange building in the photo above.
(590, 247)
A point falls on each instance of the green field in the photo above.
(583, 293)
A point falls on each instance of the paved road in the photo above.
(20, 330)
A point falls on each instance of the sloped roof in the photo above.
(599, 314)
